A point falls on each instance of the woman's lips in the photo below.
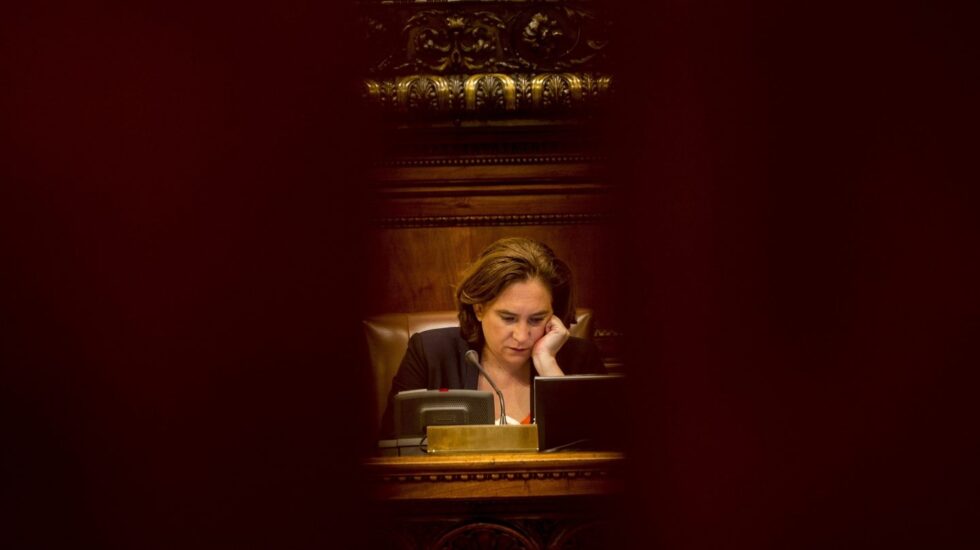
(519, 350)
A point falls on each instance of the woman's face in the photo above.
(514, 321)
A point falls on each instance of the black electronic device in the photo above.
(580, 412)
(415, 410)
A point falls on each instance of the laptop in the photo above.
(580, 412)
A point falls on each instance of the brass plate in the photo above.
(482, 438)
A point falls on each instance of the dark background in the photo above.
(181, 208)
(805, 253)
(180, 280)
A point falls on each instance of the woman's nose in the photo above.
(521, 332)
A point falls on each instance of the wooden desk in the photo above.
(512, 500)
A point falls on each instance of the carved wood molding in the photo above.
(542, 530)
(496, 160)
(587, 534)
(485, 535)
(516, 475)
(495, 463)
(515, 141)
(488, 93)
(447, 187)
(470, 477)
(488, 36)
(491, 220)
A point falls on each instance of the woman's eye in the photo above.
(536, 321)
(508, 319)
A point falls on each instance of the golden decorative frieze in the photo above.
(490, 92)
(499, 58)
(487, 93)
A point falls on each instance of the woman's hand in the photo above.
(546, 348)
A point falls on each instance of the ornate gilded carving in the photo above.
(487, 93)
(452, 40)
(556, 38)
(556, 90)
(595, 87)
(490, 92)
(522, 89)
(423, 93)
(542, 34)
(489, 37)
(486, 58)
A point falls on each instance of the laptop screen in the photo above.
(580, 412)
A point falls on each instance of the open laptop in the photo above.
(580, 412)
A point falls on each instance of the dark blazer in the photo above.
(436, 359)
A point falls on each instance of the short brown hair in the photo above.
(503, 263)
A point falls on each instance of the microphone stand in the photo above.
(474, 358)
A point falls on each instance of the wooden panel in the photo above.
(441, 195)
(476, 173)
(527, 500)
(416, 269)
(500, 476)
(529, 203)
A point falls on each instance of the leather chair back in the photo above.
(387, 340)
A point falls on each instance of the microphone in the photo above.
(474, 358)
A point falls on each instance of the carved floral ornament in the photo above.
(487, 37)
(488, 93)
(485, 58)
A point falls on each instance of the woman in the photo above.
(515, 304)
